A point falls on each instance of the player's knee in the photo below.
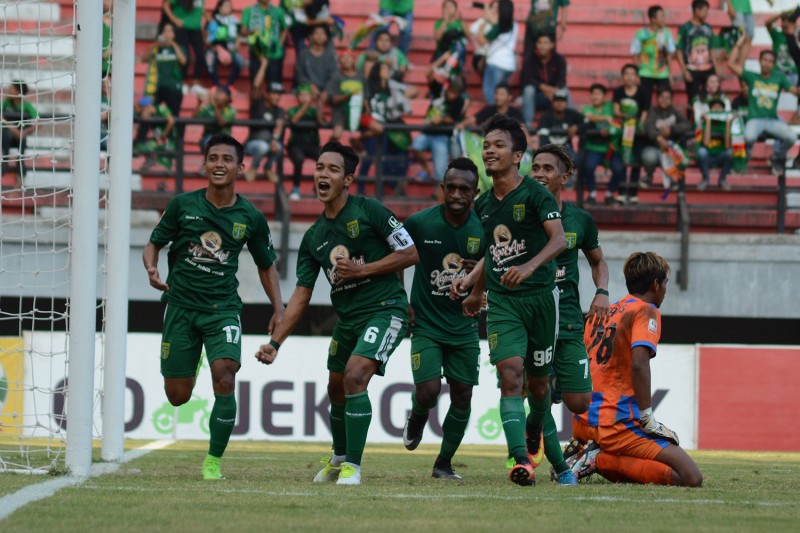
(427, 394)
(538, 388)
(461, 398)
(355, 382)
(177, 398)
(692, 477)
(577, 403)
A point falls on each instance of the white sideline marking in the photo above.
(371, 496)
(40, 491)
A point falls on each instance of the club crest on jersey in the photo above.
(572, 240)
(518, 212)
(353, 229)
(238, 231)
(164, 350)
(333, 347)
(652, 325)
(415, 361)
(473, 244)
(492, 341)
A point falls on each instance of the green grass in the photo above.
(269, 489)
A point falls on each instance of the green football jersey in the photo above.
(362, 231)
(514, 231)
(581, 233)
(441, 248)
(204, 252)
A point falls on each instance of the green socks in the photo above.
(357, 417)
(552, 447)
(337, 428)
(539, 409)
(223, 416)
(512, 415)
(454, 426)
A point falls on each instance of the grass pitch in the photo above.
(269, 488)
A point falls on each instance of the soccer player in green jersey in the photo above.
(522, 225)
(361, 247)
(552, 167)
(449, 240)
(208, 229)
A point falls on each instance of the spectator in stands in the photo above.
(698, 49)
(448, 109)
(543, 19)
(664, 125)
(715, 148)
(346, 96)
(481, 27)
(561, 125)
(700, 105)
(652, 49)
(167, 58)
(222, 33)
(451, 51)
(386, 53)
(187, 18)
(266, 28)
(304, 140)
(784, 62)
(450, 21)
(601, 139)
(305, 15)
(17, 121)
(155, 141)
(502, 104)
(741, 14)
(764, 90)
(543, 73)
(107, 21)
(397, 8)
(501, 39)
(630, 107)
(316, 64)
(217, 107)
(266, 141)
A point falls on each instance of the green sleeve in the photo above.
(307, 267)
(681, 37)
(716, 42)
(167, 227)
(229, 114)
(747, 77)
(437, 25)
(493, 33)
(591, 237)
(260, 243)
(29, 111)
(381, 218)
(360, 62)
(785, 83)
(402, 60)
(411, 225)
(546, 205)
(246, 17)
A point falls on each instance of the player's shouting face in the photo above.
(330, 180)
(498, 153)
(222, 165)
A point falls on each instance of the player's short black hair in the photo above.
(663, 90)
(349, 155)
(381, 32)
(652, 11)
(224, 139)
(697, 5)
(565, 163)
(767, 53)
(626, 66)
(550, 37)
(599, 87)
(499, 121)
(503, 86)
(641, 268)
(465, 164)
(22, 87)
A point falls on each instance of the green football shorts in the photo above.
(524, 326)
(457, 360)
(187, 330)
(375, 337)
(571, 366)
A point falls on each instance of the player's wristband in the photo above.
(604, 292)
(275, 344)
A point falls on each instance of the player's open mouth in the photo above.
(323, 186)
(490, 161)
(220, 173)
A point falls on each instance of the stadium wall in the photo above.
(700, 391)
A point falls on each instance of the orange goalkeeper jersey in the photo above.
(632, 322)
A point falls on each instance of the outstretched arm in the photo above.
(269, 280)
(298, 304)
(150, 260)
(598, 310)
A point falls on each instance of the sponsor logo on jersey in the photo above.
(208, 249)
(652, 325)
(473, 244)
(238, 231)
(353, 229)
(518, 212)
(451, 270)
(505, 248)
(164, 350)
(492, 341)
(561, 273)
(340, 252)
(554, 215)
(333, 347)
(394, 223)
(415, 361)
(572, 240)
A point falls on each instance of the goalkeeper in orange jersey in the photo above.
(629, 445)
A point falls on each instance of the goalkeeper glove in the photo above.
(655, 428)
